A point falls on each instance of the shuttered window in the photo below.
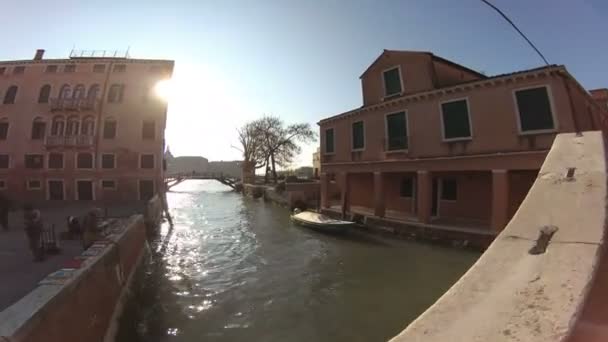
(396, 126)
(329, 140)
(392, 82)
(534, 109)
(456, 123)
(358, 135)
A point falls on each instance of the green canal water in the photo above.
(235, 269)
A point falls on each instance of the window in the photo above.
(11, 94)
(455, 119)
(99, 68)
(120, 68)
(88, 126)
(55, 161)
(34, 161)
(4, 161)
(34, 184)
(55, 190)
(73, 125)
(146, 189)
(45, 92)
(2, 70)
(108, 161)
(146, 161)
(406, 187)
(109, 129)
(19, 70)
(93, 92)
(69, 68)
(57, 126)
(392, 81)
(329, 140)
(108, 184)
(84, 161)
(116, 93)
(358, 135)
(2, 184)
(38, 129)
(147, 130)
(449, 189)
(534, 110)
(3, 129)
(65, 91)
(51, 68)
(396, 132)
(79, 92)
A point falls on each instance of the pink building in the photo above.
(437, 143)
(84, 128)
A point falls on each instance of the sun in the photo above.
(164, 89)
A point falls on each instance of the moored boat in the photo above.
(320, 222)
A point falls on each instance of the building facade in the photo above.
(438, 143)
(316, 163)
(88, 127)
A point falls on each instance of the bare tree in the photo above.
(252, 148)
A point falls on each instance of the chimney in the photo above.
(39, 54)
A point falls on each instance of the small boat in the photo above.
(320, 222)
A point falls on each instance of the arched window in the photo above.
(79, 92)
(3, 128)
(72, 126)
(38, 129)
(109, 128)
(93, 92)
(11, 94)
(57, 126)
(65, 91)
(45, 92)
(115, 93)
(88, 126)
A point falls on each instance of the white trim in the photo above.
(551, 107)
(107, 180)
(101, 161)
(352, 141)
(3, 184)
(77, 195)
(48, 188)
(324, 149)
(139, 186)
(384, 95)
(407, 132)
(29, 188)
(153, 161)
(84, 168)
(470, 137)
(48, 160)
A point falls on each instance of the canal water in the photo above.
(235, 269)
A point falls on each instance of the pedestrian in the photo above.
(33, 230)
(5, 207)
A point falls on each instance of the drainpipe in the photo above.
(577, 127)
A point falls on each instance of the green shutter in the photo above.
(329, 140)
(456, 120)
(397, 131)
(392, 82)
(358, 135)
(534, 109)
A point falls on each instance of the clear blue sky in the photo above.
(236, 60)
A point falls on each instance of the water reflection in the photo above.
(235, 269)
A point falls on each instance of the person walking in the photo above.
(33, 230)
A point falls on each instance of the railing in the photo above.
(99, 54)
(74, 104)
(70, 140)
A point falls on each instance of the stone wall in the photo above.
(85, 306)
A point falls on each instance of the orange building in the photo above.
(436, 143)
(84, 128)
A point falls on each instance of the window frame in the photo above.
(8, 155)
(333, 129)
(143, 124)
(97, 66)
(14, 97)
(71, 65)
(30, 188)
(443, 138)
(46, 99)
(25, 161)
(19, 67)
(413, 180)
(48, 161)
(386, 96)
(76, 196)
(153, 161)
(48, 188)
(442, 186)
(84, 168)
(3, 185)
(139, 180)
(107, 180)
(103, 132)
(48, 68)
(407, 132)
(8, 128)
(551, 107)
(119, 68)
(352, 137)
(113, 161)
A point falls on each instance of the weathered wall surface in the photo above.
(83, 308)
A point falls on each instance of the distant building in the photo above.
(436, 142)
(227, 168)
(316, 163)
(304, 172)
(186, 164)
(87, 127)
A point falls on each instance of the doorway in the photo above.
(84, 190)
(56, 192)
(435, 204)
(146, 189)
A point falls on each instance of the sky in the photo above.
(300, 60)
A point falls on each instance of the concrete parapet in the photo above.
(533, 281)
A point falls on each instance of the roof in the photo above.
(87, 60)
(433, 56)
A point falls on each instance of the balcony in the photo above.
(70, 141)
(59, 104)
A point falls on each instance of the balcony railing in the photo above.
(74, 104)
(70, 140)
